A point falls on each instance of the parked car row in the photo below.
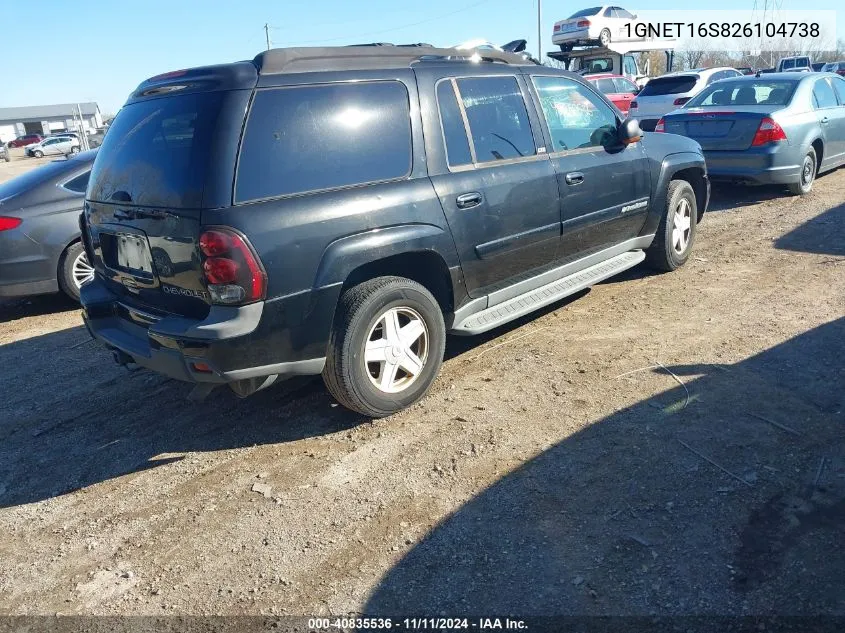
(779, 128)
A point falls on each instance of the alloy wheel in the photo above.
(81, 270)
(682, 226)
(396, 349)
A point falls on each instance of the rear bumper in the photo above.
(764, 165)
(231, 341)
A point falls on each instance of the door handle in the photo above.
(468, 200)
(574, 178)
(825, 120)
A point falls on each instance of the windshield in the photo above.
(585, 13)
(157, 152)
(738, 93)
(669, 85)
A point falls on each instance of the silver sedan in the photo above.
(779, 128)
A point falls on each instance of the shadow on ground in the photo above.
(824, 234)
(661, 509)
(722, 496)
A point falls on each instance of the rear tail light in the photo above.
(634, 104)
(7, 223)
(557, 28)
(583, 24)
(841, 71)
(231, 268)
(768, 132)
(661, 126)
(681, 100)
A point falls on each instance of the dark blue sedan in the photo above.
(779, 128)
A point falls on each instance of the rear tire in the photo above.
(386, 346)
(809, 167)
(74, 270)
(675, 235)
(604, 37)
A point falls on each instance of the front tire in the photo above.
(809, 167)
(38, 153)
(604, 37)
(386, 346)
(74, 150)
(675, 235)
(74, 270)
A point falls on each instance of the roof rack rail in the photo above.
(282, 60)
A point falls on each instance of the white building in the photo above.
(48, 119)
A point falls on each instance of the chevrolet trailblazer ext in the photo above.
(339, 210)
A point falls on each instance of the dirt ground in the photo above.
(662, 444)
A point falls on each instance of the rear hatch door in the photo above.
(163, 160)
(658, 96)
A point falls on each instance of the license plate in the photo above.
(133, 253)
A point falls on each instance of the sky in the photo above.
(58, 51)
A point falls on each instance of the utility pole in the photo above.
(539, 31)
(267, 34)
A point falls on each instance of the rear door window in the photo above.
(498, 118)
(839, 85)
(823, 95)
(78, 184)
(310, 138)
(454, 132)
(606, 86)
(157, 151)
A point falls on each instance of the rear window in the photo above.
(157, 152)
(309, 138)
(585, 13)
(733, 93)
(669, 85)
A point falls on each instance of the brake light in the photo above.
(583, 24)
(231, 268)
(681, 100)
(7, 223)
(634, 105)
(557, 28)
(219, 270)
(661, 126)
(768, 132)
(214, 243)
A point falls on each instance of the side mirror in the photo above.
(629, 132)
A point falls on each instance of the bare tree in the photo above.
(692, 58)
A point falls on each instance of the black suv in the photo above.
(339, 210)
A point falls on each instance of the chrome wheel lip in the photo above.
(81, 271)
(396, 349)
(682, 226)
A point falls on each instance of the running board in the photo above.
(544, 295)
